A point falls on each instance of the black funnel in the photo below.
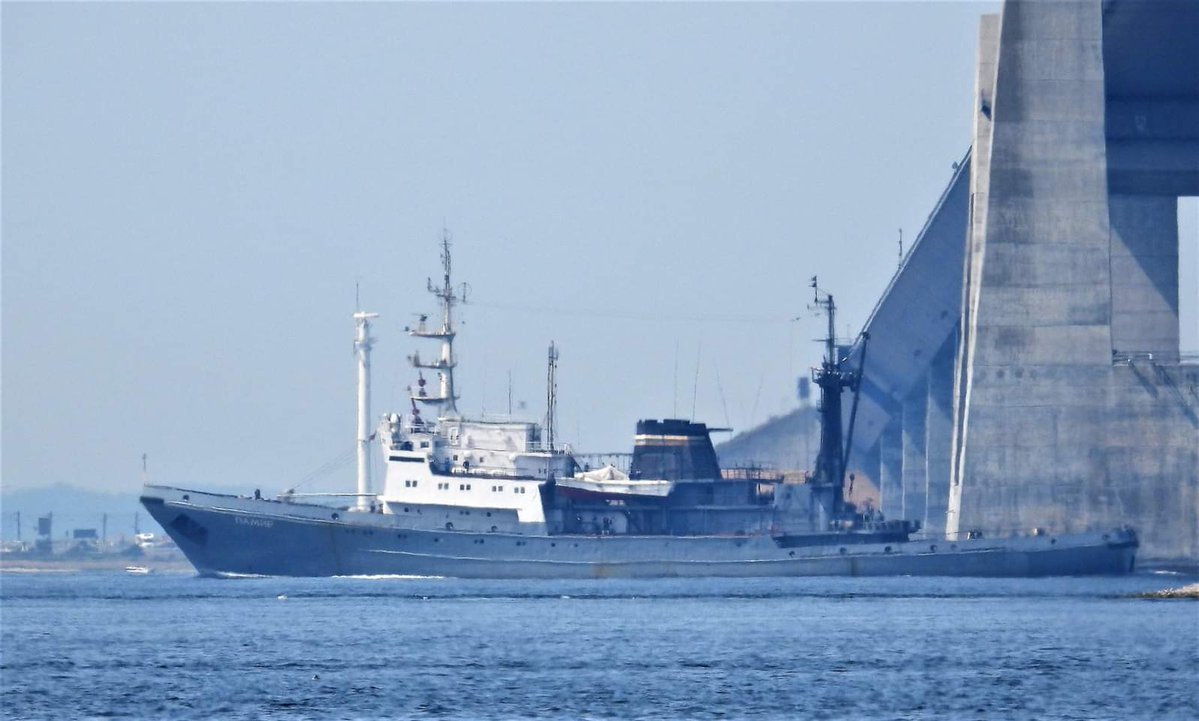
(673, 450)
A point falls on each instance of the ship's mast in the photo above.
(444, 365)
(829, 478)
(362, 350)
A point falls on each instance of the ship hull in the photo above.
(226, 535)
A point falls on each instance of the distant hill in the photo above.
(72, 507)
(788, 442)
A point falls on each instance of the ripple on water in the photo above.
(178, 647)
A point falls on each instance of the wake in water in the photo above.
(393, 577)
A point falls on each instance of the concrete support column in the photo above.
(1038, 305)
(915, 479)
(980, 181)
(938, 435)
(891, 469)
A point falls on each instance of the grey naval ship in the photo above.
(500, 498)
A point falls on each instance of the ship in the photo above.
(495, 497)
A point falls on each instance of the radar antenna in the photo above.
(551, 397)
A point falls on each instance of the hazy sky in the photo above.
(191, 191)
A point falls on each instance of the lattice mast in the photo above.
(446, 396)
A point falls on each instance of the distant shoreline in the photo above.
(157, 563)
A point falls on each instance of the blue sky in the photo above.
(192, 191)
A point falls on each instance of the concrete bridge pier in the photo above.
(915, 461)
(1025, 364)
(938, 434)
(890, 478)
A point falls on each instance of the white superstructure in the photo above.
(485, 464)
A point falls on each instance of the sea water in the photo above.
(175, 646)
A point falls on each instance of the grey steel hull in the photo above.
(232, 535)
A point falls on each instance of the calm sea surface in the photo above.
(177, 647)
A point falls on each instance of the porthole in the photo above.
(449, 526)
(494, 529)
(843, 551)
(336, 516)
(187, 497)
(887, 549)
(1053, 541)
(933, 548)
(791, 554)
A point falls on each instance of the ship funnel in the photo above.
(673, 450)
